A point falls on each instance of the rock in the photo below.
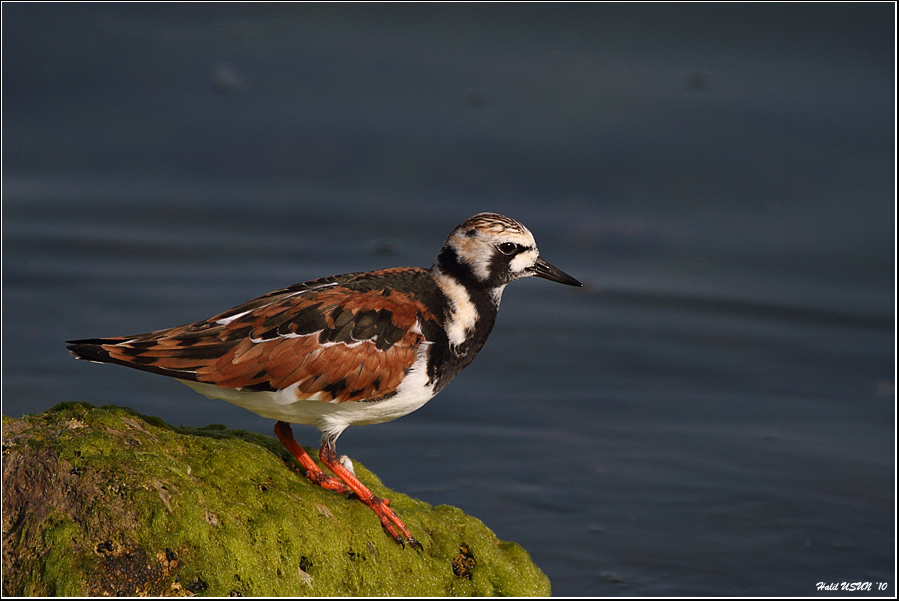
(104, 501)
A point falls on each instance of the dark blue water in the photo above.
(713, 414)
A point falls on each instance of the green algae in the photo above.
(105, 501)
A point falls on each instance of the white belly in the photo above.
(329, 416)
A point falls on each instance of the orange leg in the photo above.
(380, 506)
(285, 434)
(350, 483)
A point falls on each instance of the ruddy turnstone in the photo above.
(354, 349)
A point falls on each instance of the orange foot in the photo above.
(389, 519)
(347, 483)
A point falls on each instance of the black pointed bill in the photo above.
(544, 270)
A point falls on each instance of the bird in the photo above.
(354, 349)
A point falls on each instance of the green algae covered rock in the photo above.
(105, 501)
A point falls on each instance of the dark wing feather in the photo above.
(346, 338)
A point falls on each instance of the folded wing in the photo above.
(336, 339)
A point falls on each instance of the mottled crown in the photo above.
(493, 223)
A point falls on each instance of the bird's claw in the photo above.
(391, 522)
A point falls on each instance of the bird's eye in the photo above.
(507, 248)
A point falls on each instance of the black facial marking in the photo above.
(450, 265)
(509, 248)
(500, 271)
(444, 361)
